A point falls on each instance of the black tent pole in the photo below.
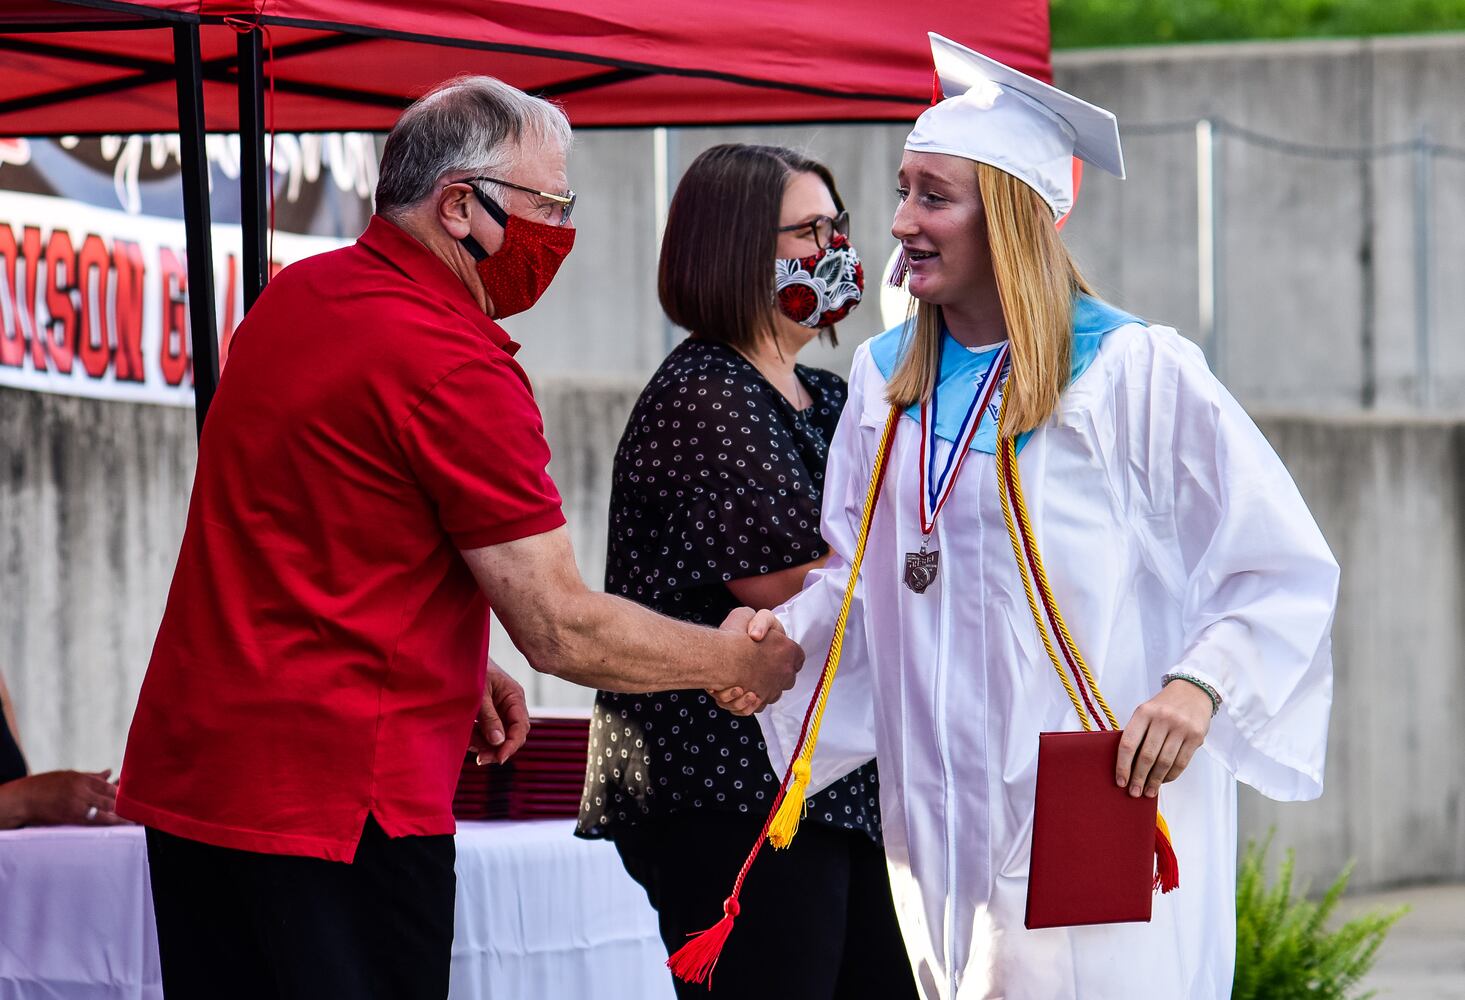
(188, 62)
(252, 177)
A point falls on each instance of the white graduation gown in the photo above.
(1174, 539)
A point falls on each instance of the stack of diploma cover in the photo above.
(542, 781)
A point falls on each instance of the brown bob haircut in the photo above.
(716, 274)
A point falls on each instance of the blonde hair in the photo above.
(1037, 281)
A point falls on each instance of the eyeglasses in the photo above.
(822, 227)
(565, 201)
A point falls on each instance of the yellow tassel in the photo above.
(694, 961)
(786, 821)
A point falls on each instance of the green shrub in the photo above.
(1087, 23)
(1283, 948)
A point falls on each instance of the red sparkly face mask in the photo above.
(519, 272)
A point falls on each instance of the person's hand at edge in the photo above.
(61, 798)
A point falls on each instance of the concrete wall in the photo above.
(1318, 273)
(1318, 279)
(1387, 493)
(92, 506)
(94, 497)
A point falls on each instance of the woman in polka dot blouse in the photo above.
(715, 503)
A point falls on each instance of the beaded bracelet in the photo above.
(1211, 692)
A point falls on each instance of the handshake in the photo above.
(764, 668)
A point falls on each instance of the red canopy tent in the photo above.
(82, 66)
(76, 67)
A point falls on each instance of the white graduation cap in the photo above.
(995, 115)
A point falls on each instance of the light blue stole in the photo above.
(962, 369)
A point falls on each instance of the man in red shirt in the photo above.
(371, 478)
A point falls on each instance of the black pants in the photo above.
(235, 925)
(817, 919)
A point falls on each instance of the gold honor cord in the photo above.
(793, 805)
(1030, 565)
(696, 959)
(1009, 489)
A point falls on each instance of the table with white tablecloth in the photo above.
(539, 914)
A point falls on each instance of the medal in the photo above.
(936, 488)
(920, 568)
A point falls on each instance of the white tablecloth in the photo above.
(539, 914)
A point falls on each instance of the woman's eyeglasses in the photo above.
(822, 227)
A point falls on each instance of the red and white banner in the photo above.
(93, 301)
(93, 271)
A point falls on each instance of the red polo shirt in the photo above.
(322, 652)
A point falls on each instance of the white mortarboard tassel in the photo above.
(995, 115)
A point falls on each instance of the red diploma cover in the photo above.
(1093, 858)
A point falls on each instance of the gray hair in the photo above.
(467, 125)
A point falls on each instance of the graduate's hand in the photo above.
(757, 624)
(737, 700)
(503, 718)
(1162, 736)
(762, 623)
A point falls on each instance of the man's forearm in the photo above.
(608, 642)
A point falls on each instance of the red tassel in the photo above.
(1167, 867)
(695, 960)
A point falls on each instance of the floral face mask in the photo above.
(821, 289)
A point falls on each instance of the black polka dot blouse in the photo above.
(717, 477)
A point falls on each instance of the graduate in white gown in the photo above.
(1175, 541)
